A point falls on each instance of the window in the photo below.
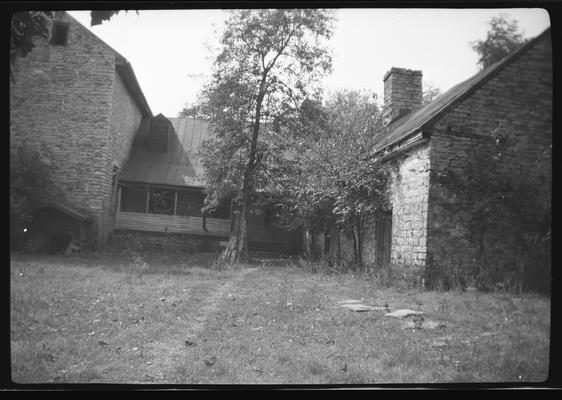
(222, 211)
(161, 201)
(133, 199)
(189, 203)
(157, 140)
(59, 33)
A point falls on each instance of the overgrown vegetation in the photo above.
(503, 37)
(323, 176)
(30, 185)
(506, 214)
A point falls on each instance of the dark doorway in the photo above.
(58, 242)
(383, 239)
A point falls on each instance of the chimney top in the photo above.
(402, 93)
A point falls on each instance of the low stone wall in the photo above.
(154, 241)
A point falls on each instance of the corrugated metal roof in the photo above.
(179, 166)
(427, 114)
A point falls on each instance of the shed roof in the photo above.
(179, 166)
(427, 114)
(73, 212)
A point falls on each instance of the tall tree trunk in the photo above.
(229, 253)
(307, 238)
(239, 237)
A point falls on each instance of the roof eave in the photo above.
(126, 72)
(399, 147)
(80, 215)
(494, 70)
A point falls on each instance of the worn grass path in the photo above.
(168, 352)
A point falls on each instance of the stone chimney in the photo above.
(402, 93)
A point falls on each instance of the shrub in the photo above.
(30, 184)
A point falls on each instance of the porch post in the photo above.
(147, 199)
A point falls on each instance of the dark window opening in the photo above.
(267, 216)
(161, 201)
(157, 140)
(222, 211)
(133, 199)
(59, 33)
(189, 203)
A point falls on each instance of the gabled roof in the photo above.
(123, 67)
(426, 115)
(179, 166)
(125, 70)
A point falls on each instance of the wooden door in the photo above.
(383, 239)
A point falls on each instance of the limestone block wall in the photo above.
(125, 120)
(61, 104)
(409, 199)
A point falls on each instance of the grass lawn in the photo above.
(100, 320)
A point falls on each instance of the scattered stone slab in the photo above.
(362, 307)
(350, 301)
(402, 313)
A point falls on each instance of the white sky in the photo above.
(171, 58)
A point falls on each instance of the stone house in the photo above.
(124, 174)
(77, 102)
(512, 99)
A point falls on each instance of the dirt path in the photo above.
(212, 303)
(165, 357)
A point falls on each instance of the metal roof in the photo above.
(179, 166)
(426, 115)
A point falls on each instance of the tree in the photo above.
(502, 38)
(430, 92)
(24, 27)
(268, 63)
(193, 111)
(325, 176)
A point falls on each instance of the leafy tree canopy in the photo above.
(503, 38)
(325, 176)
(269, 61)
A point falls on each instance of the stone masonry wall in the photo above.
(125, 120)
(516, 103)
(60, 105)
(402, 91)
(409, 199)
